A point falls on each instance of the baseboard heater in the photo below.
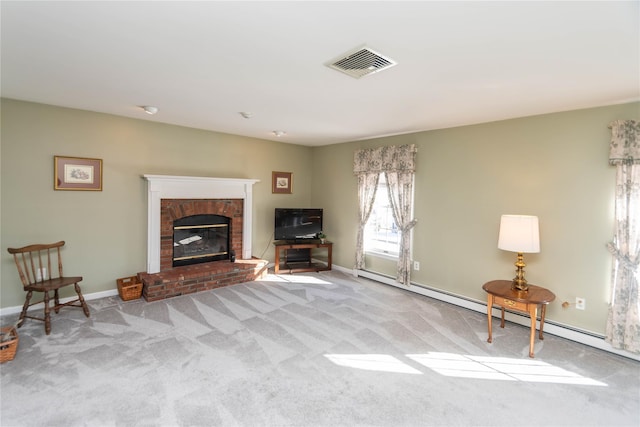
(565, 331)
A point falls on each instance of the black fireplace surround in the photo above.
(201, 238)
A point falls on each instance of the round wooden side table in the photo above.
(500, 293)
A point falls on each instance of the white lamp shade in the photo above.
(519, 233)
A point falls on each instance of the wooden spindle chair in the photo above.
(34, 267)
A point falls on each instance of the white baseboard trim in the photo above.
(87, 297)
(565, 331)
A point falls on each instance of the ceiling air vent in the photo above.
(362, 62)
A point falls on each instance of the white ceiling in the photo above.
(201, 63)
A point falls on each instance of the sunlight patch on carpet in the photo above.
(372, 362)
(464, 366)
(499, 368)
(295, 279)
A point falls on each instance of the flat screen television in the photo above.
(294, 224)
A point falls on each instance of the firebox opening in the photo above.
(200, 238)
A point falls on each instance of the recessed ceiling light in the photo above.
(246, 114)
(150, 109)
(279, 133)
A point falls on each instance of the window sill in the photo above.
(380, 254)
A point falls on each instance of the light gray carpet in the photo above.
(305, 350)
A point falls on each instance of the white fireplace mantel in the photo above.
(190, 187)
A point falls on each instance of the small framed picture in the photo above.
(281, 182)
(77, 173)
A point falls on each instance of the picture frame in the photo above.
(77, 173)
(281, 182)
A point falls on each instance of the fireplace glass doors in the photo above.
(200, 238)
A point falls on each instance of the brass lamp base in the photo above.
(519, 282)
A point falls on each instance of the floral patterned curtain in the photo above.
(623, 321)
(398, 163)
(367, 189)
(401, 200)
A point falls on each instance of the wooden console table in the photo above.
(499, 293)
(298, 267)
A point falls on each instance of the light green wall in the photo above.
(106, 231)
(553, 166)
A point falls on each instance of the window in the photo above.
(381, 232)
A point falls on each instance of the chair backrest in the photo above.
(34, 262)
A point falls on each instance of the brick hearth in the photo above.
(200, 277)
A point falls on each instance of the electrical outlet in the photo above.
(581, 303)
(416, 265)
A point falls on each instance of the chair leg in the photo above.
(47, 314)
(84, 304)
(56, 302)
(24, 308)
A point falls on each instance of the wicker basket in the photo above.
(129, 288)
(8, 348)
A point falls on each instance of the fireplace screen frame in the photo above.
(201, 228)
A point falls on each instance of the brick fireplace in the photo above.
(173, 197)
(176, 209)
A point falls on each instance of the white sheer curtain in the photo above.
(398, 164)
(623, 322)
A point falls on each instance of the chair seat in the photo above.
(53, 284)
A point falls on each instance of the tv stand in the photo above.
(299, 264)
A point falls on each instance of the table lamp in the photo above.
(519, 233)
